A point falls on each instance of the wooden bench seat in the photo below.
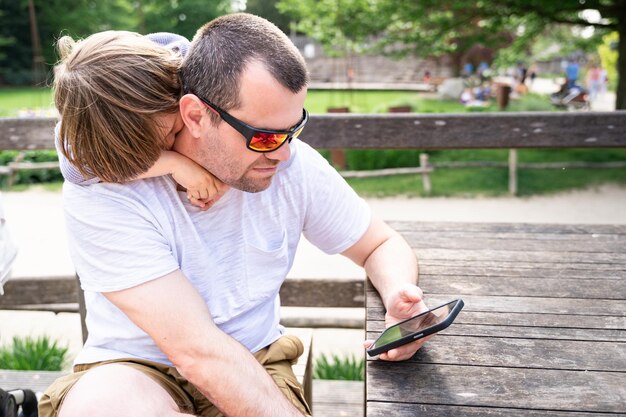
(338, 398)
(36, 381)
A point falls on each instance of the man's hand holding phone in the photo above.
(402, 304)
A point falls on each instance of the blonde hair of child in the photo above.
(108, 88)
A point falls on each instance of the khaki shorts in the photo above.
(277, 359)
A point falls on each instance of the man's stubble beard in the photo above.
(225, 170)
(251, 185)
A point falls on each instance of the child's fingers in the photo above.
(198, 203)
(197, 193)
(203, 193)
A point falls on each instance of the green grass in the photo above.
(339, 368)
(319, 101)
(55, 186)
(469, 182)
(14, 100)
(29, 354)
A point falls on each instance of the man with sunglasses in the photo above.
(183, 306)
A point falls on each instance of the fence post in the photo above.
(513, 171)
(338, 156)
(12, 172)
(425, 173)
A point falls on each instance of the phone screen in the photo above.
(415, 325)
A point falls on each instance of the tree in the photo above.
(267, 9)
(80, 18)
(184, 17)
(341, 26)
(435, 27)
(5, 41)
(612, 16)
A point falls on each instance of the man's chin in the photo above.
(253, 186)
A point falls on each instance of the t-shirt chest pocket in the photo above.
(267, 264)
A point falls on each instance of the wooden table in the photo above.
(543, 331)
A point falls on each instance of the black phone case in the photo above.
(428, 331)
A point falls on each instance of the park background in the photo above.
(368, 57)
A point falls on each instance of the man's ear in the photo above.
(192, 111)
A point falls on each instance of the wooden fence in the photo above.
(412, 131)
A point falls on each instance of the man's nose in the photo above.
(281, 154)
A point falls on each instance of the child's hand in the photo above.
(203, 189)
(201, 186)
(206, 203)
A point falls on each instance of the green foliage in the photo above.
(268, 10)
(80, 18)
(428, 28)
(339, 368)
(32, 176)
(184, 17)
(30, 354)
(341, 26)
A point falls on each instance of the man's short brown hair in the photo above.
(222, 48)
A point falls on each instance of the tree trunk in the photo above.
(620, 102)
(39, 68)
(456, 64)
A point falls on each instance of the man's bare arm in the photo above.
(391, 265)
(387, 258)
(171, 311)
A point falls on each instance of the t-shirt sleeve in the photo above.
(176, 43)
(336, 217)
(70, 172)
(115, 241)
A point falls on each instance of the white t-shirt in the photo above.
(236, 255)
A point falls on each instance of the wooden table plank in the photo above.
(385, 409)
(521, 353)
(508, 228)
(539, 389)
(519, 270)
(495, 320)
(527, 286)
(522, 332)
(580, 244)
(587, 269)
(574, 306)
(543, 331)
(522, 255)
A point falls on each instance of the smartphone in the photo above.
(416, 327)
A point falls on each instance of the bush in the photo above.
(29, 354)
(338, 368)
(32, 176)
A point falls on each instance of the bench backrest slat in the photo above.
(410, 131)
